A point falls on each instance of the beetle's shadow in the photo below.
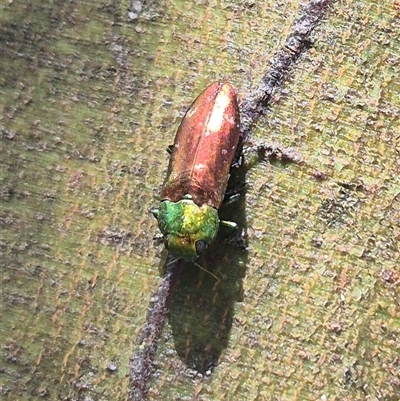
(202, 308)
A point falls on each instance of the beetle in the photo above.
(201, 157)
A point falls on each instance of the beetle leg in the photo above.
(257, 153)
(207, 271)
(238, 161)
(230, 224)
(155, 213)
(169, 149)
(238, 241)
(158, 239)
(234, 193)
(229, 199)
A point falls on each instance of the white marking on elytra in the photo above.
(218, 115)
(199, 166)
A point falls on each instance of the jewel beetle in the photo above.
(201, 157)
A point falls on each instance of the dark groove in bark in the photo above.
(254, 105)
(142, 360)
(251, 109)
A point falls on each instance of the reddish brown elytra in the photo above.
(198, 172)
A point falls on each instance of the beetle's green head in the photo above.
(187, 228)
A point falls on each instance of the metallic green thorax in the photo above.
(184, 223)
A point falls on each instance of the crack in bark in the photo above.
(255, 103)
(251, 109)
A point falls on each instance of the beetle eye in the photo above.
(201, 246)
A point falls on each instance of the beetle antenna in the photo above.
(206, 271)
(171, 260)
